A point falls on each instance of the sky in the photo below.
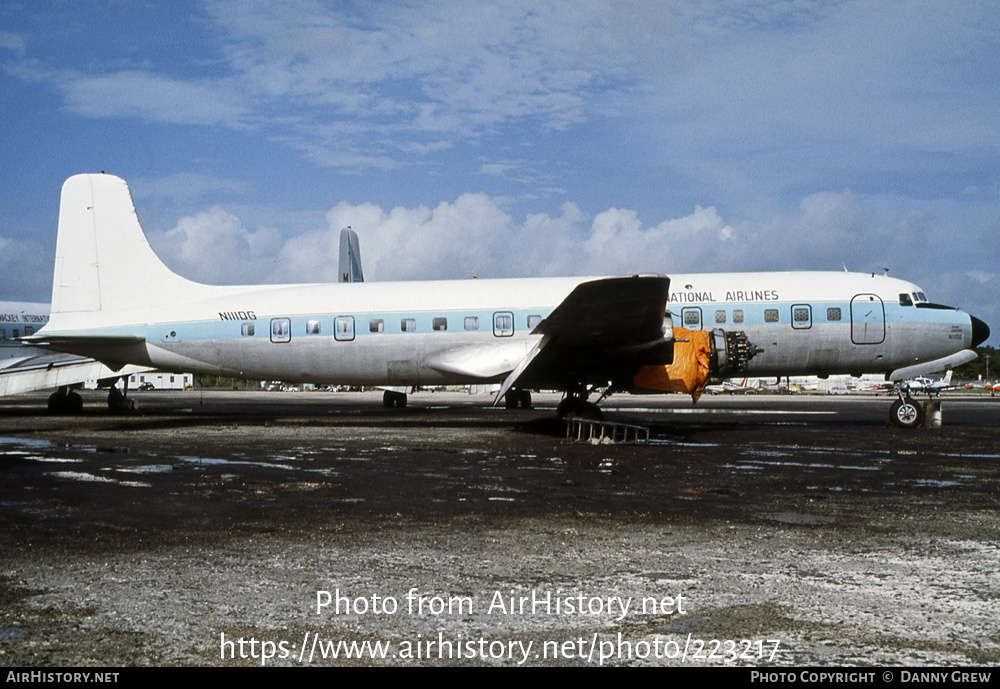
(507, 139)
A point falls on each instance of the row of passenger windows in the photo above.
(800, 314)
(16, 332)
(503, 322)
(343, 326)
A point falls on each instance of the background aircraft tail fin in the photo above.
(350, 257)
(103, 261)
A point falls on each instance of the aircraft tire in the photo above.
(65, 403)
(56, 403)
(906, 413)
(116, 400)
(392, 399)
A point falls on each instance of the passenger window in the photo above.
(800, 314)
(281, 330)
(312, 327)
(738, 316)
(691, 318)
(376, 325)
(3, 333)
(533, 321)
(246, 329)
(770, 315)
(720, 316)
(904, 300)
(833, 313)
(17, 333)
(408, 325)
(28, 330)
(472, 322)
(439, 324)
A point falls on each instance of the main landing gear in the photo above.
(391, 398)
(65, 401)
(118, 400)
(575, 404)
(517, 397)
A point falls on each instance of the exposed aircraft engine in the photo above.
(700, 356)
(731, 352)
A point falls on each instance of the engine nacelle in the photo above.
(700, 356)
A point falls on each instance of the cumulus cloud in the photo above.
(215, 247)
(472, 235)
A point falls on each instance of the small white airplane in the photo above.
(929, 385)
(115, 301)
(24, 368)
(732, 388)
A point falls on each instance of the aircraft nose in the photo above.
(980, 331)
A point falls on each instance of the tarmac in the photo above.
(251, 528)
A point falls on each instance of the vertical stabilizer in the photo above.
(103, 261)
(350, 257)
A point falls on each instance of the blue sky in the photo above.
(510, 139)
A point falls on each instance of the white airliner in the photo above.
(24, 368)
(115, 301)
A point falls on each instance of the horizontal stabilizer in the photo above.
(114, 351)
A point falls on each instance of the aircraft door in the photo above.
(867, 319)
(691, 317)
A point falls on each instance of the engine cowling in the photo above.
(700, 357)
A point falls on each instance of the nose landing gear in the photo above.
(906, 412)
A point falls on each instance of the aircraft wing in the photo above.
(50, 370)
(603, 331)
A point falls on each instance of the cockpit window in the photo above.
(919, 297)
(904, 300)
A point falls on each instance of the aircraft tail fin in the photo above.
(350, 257)
(103, 261)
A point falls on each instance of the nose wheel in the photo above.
(906, 413)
